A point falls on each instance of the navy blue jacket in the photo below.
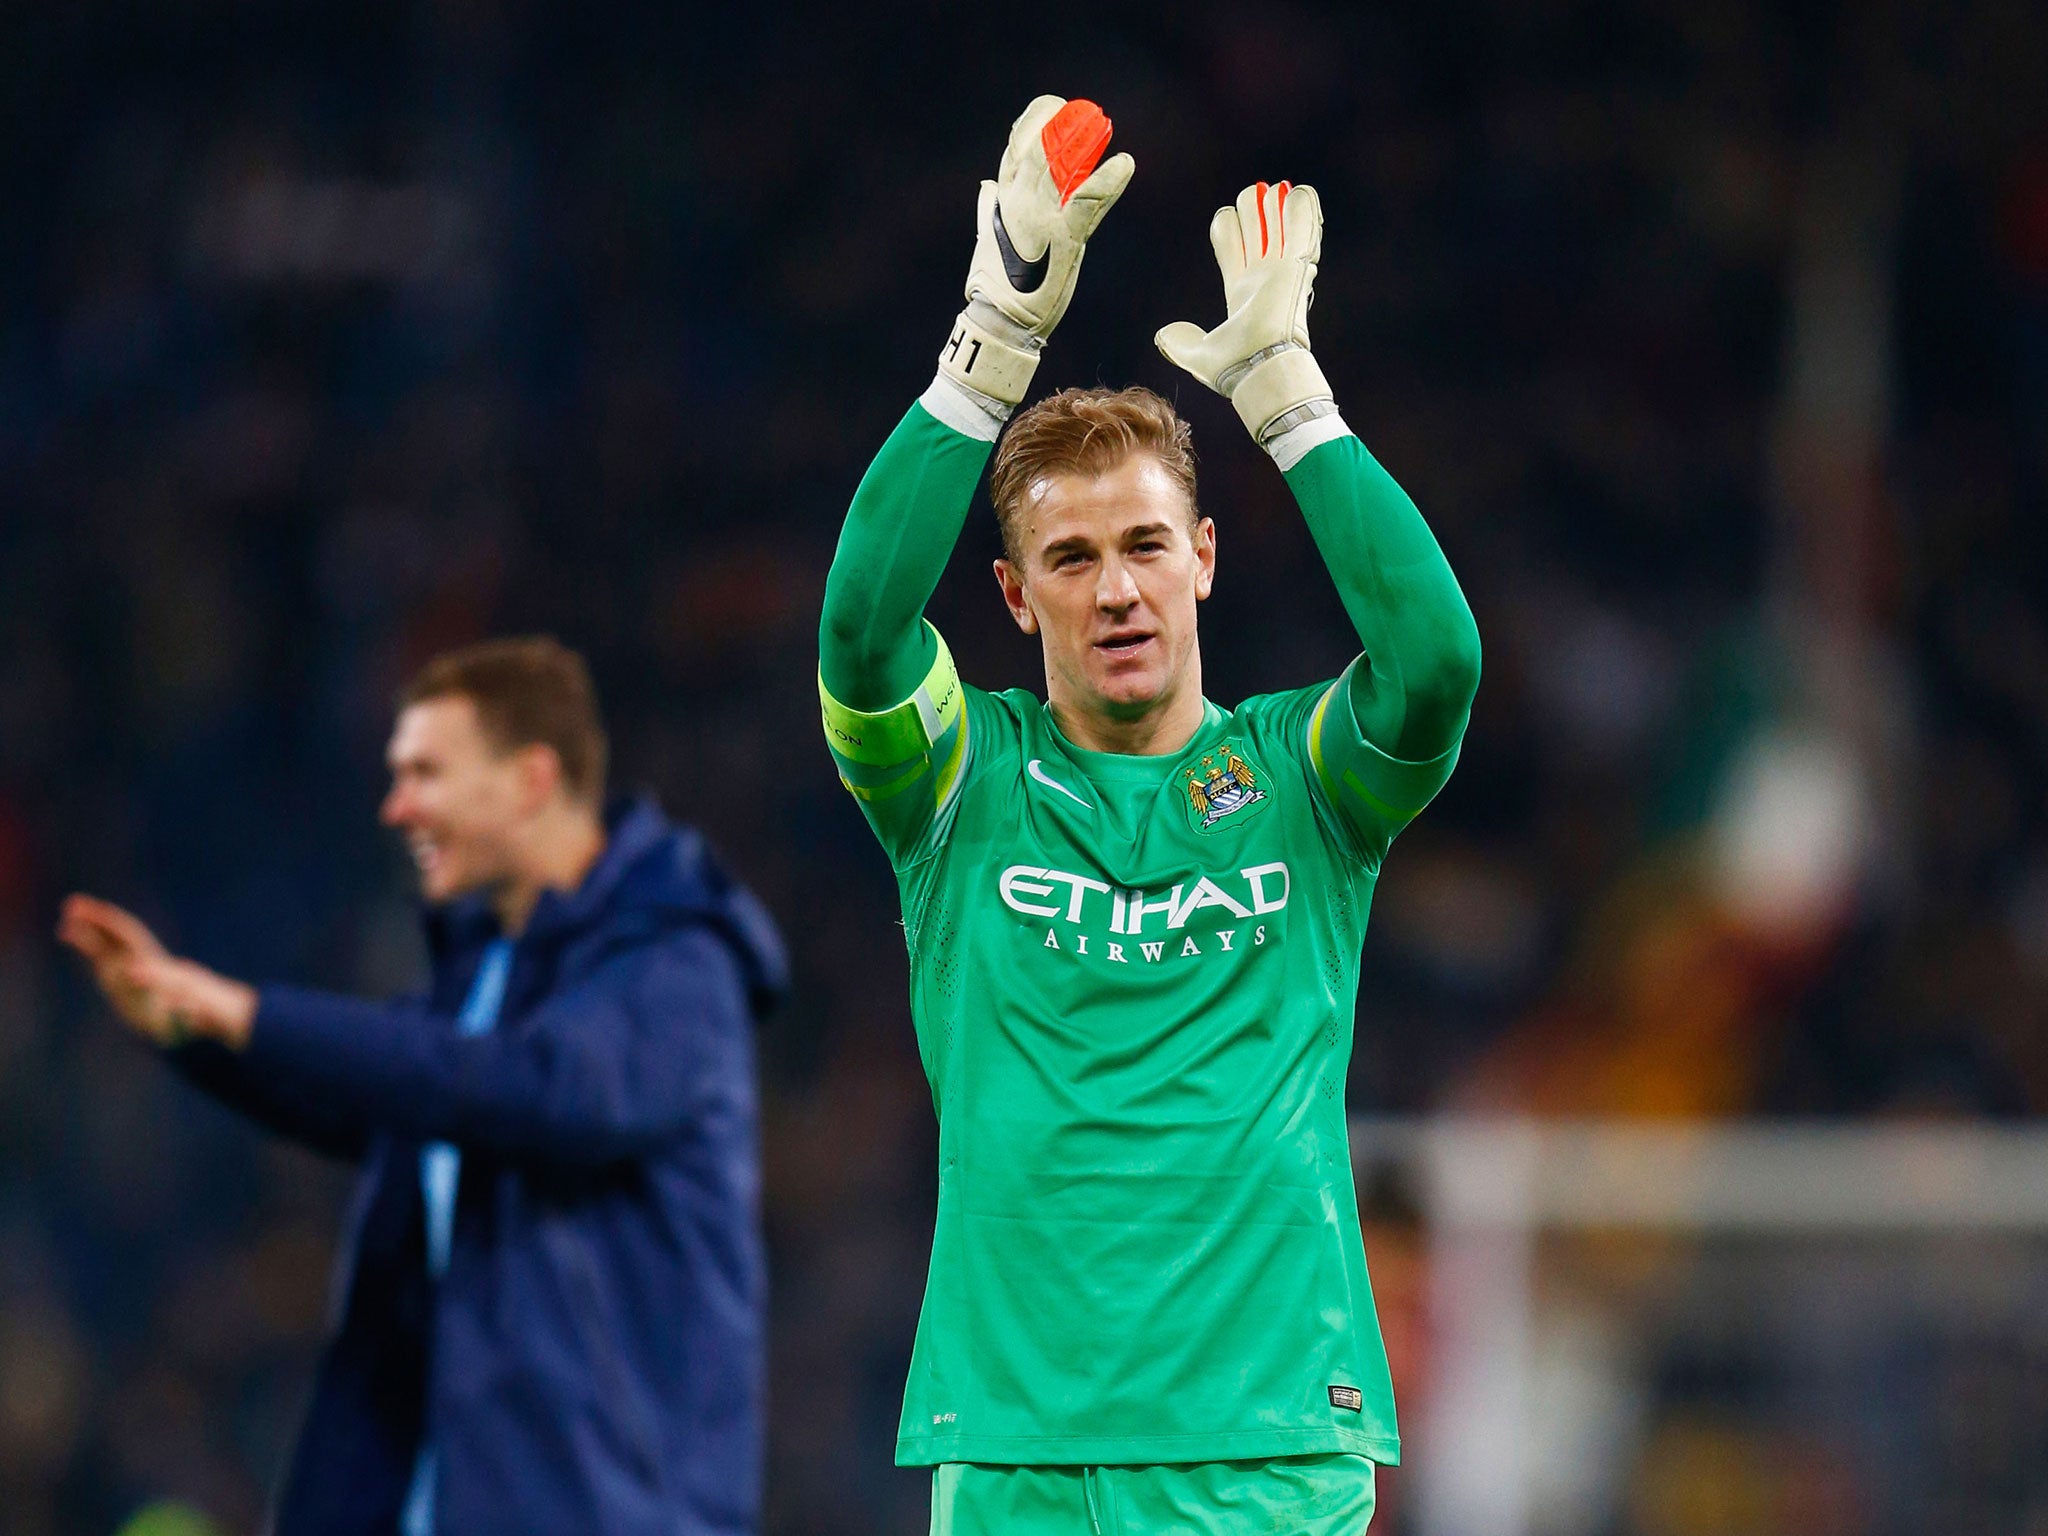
(593, 1360)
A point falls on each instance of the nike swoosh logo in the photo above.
(1037, 772)
(1025, 276)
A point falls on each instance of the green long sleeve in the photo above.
(1412, 691)
(874, 648)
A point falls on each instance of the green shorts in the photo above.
(1299, 1495)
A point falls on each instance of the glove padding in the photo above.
(1268, 246)
(1031, 227)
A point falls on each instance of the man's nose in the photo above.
(397, 804)
(1117, 588)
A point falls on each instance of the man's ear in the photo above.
(1015, 598)
(539, 768)
(1205, 557)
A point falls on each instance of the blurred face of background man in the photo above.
(1110, 567)
(459, 798)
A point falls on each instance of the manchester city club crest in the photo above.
(1221, 785)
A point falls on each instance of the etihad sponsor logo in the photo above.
(1084, 902)
(1076, 898)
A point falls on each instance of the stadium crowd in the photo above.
(333, 336)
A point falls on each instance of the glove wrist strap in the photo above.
(978, 359)
(1282, 391)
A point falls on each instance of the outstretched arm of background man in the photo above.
(605, 1071)
(199, 1019)
(1383, 738)
(893, 709)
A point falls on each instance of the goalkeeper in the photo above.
(1134, 916)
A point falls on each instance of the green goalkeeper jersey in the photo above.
(1133, 981)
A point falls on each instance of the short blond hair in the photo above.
(1086, 432)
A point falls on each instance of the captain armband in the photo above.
(922, 741)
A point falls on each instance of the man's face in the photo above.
(1110, 572)
(455, 796)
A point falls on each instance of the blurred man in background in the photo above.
(551, 1317)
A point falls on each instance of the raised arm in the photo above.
(893, 709)
(1031, 228)
(1411, 690)
(1385, 737)
(874, 648)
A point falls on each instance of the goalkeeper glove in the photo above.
(1031, 227)
(1258, 358)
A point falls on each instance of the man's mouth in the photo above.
(426, 852)
(1124, 643)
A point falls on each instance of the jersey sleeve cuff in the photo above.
(964, 410)
(1295, 444)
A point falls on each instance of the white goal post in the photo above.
(1495, 1194)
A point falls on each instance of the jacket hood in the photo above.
(652, 875)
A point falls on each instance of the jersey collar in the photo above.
(1130, 767)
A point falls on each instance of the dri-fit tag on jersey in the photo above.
(1347, 1397)
(1223, 785)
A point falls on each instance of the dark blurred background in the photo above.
(1713, 340)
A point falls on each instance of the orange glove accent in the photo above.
(1074, 141)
